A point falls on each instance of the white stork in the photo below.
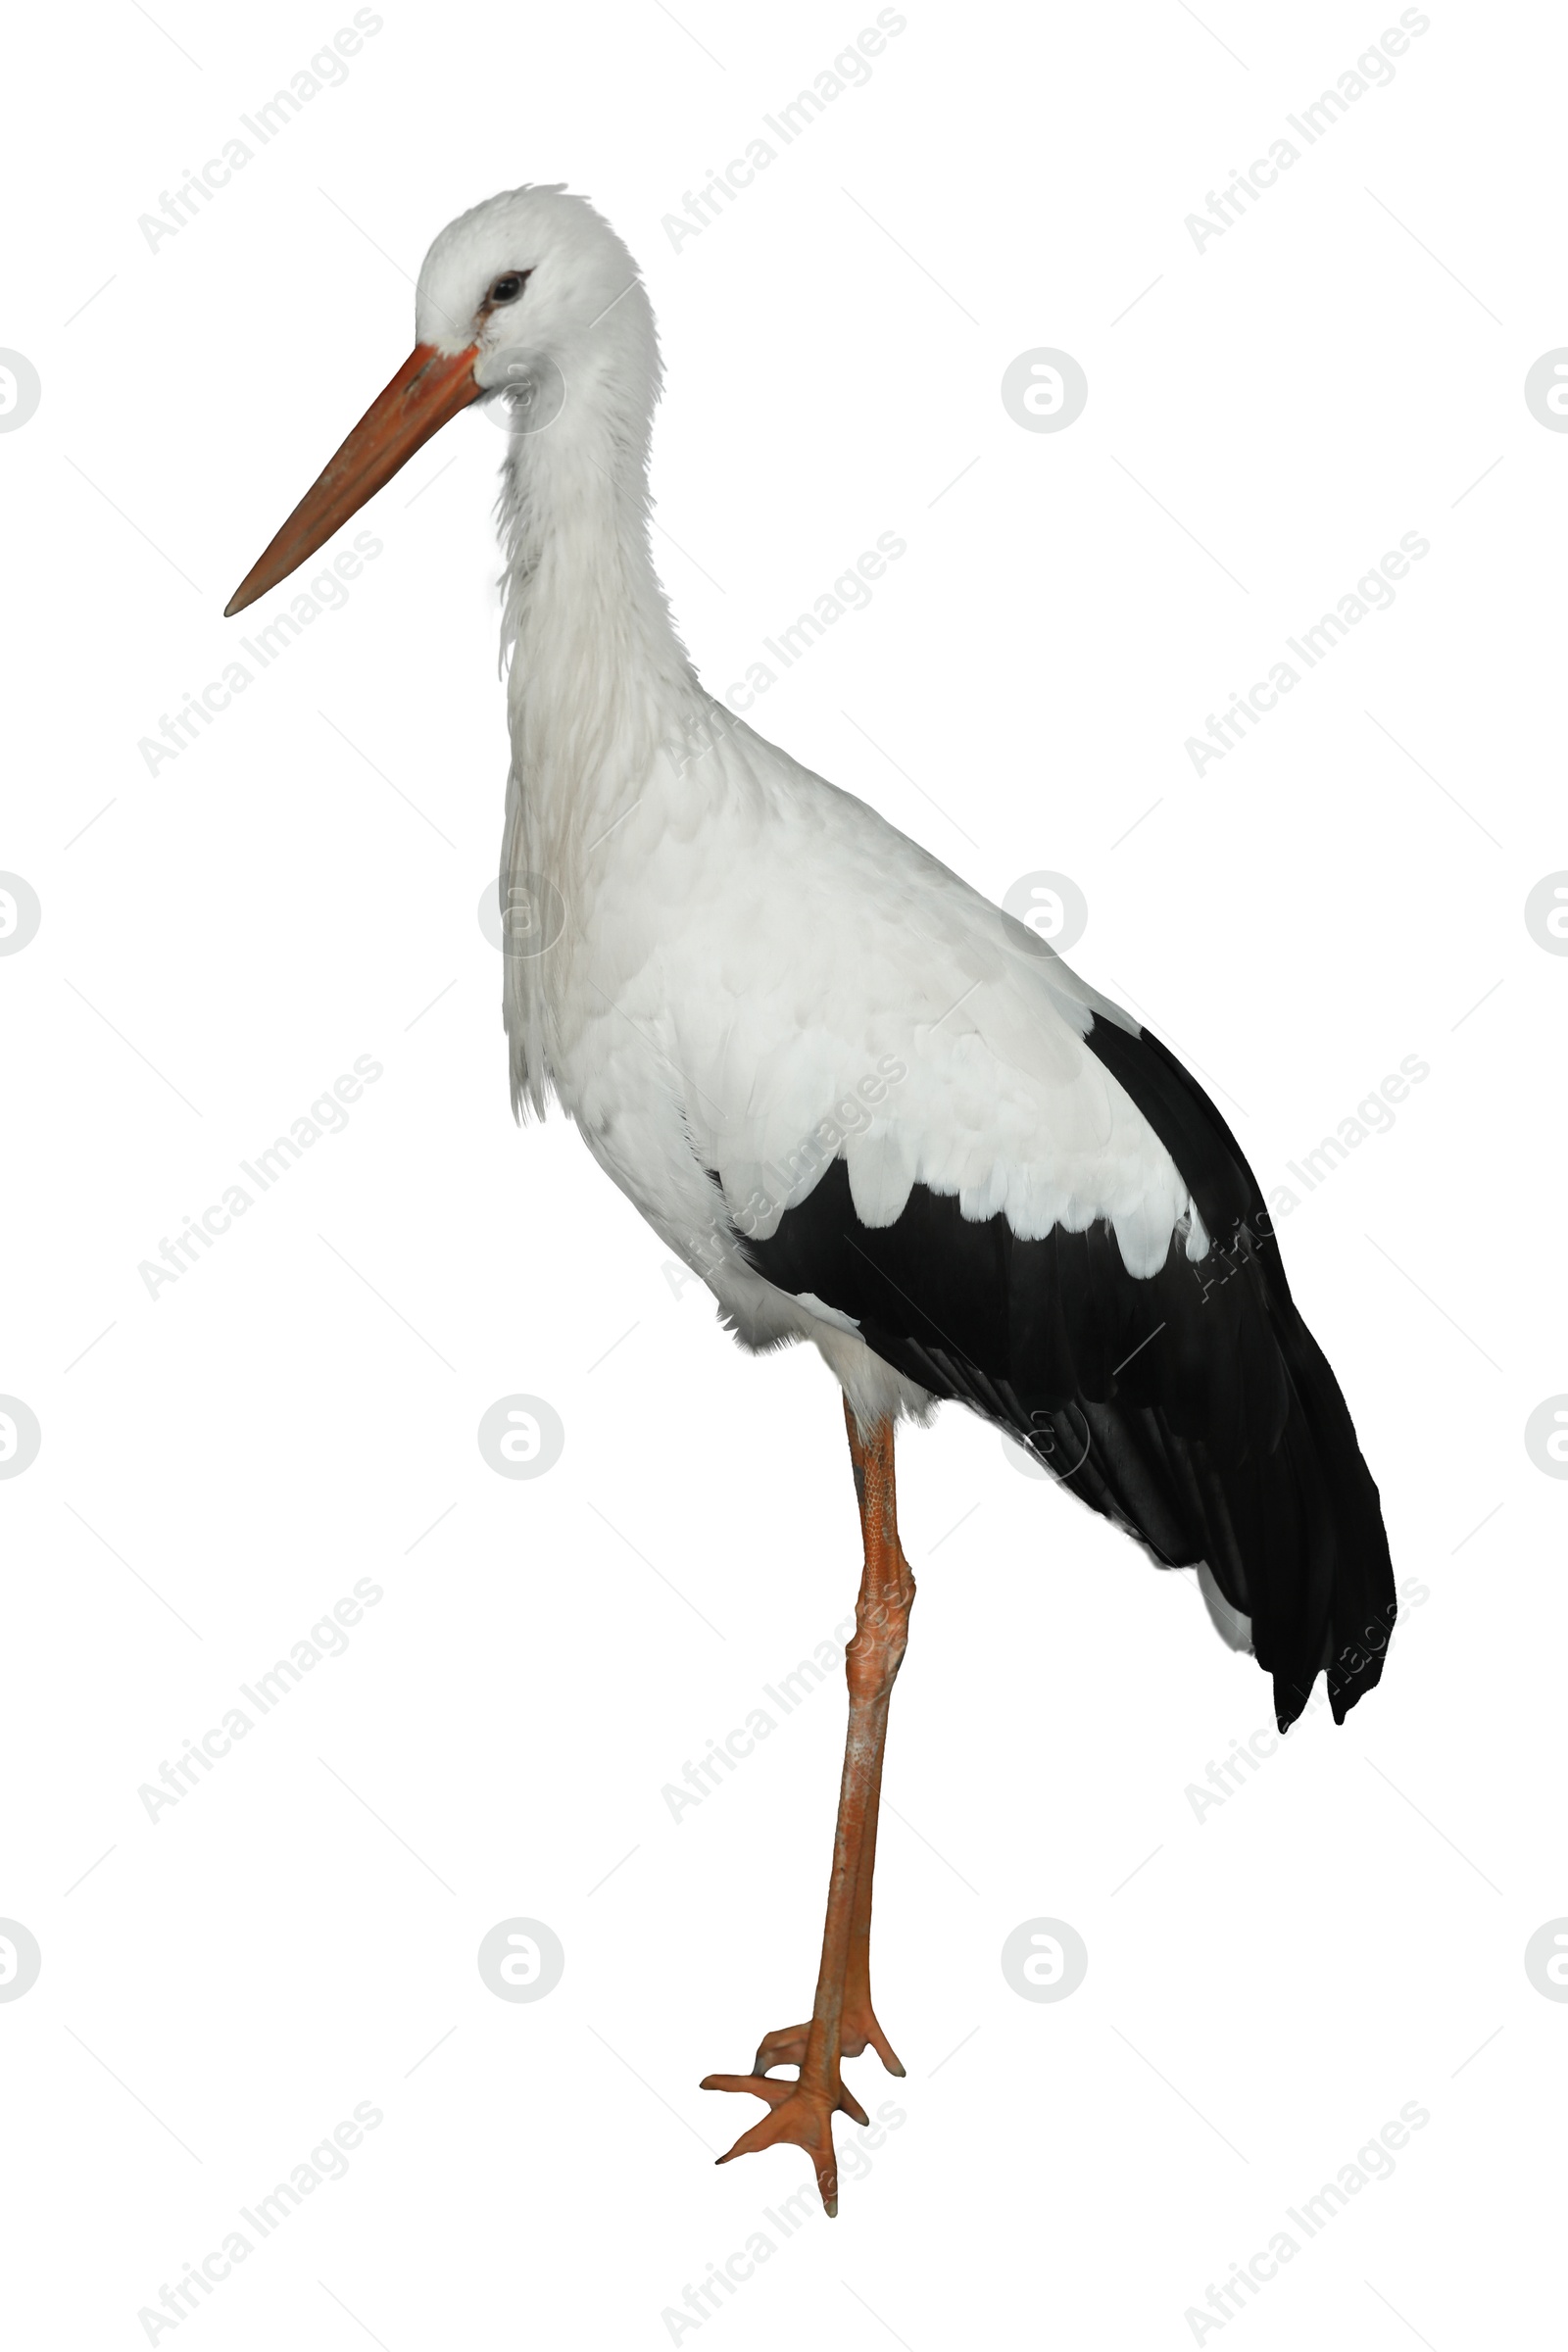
(870, 1110)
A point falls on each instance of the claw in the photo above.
(852, 2106)
(875, 2038)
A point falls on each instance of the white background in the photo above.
(300, 887)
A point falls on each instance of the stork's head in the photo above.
(529, 295)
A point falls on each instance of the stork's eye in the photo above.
(507, 288)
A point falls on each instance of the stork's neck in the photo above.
(597, 675)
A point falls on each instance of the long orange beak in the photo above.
(428, 389)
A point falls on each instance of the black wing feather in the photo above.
(1194, 1408)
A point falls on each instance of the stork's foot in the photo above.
(802, 2112)
(786, 2046)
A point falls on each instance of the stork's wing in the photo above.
(1190, 1405)
(924, 1120)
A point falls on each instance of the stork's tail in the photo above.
(1290, 1531)
(1360, 1574)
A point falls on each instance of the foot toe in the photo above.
(802, 2116)
(761, 2086)
(877, 2041)
(785, 2046)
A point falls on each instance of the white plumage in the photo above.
(745, 947)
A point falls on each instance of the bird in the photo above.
(870, 1110)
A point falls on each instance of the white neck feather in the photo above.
(597, 676)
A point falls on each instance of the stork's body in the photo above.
(868, 1107)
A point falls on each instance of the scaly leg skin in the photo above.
(859, 2029)
(843, 2022)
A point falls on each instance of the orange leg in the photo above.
(843, 2022)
